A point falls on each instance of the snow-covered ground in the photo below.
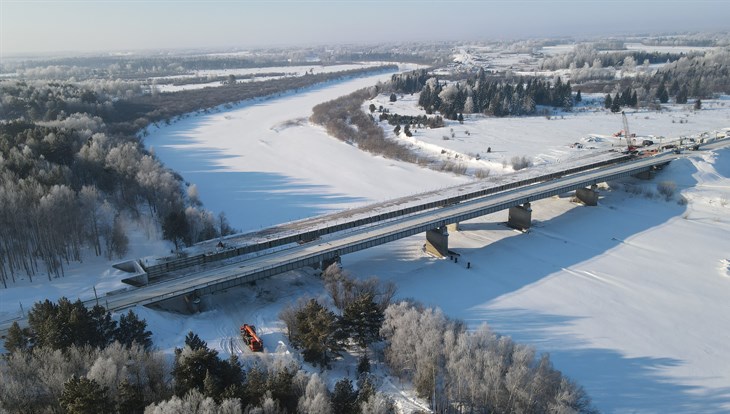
(164, 83)
(630, 298)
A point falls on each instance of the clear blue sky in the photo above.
(32, 26)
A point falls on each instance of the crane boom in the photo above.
(627, 134)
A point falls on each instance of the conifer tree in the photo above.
(682, 95)
(344, 397)
(607, 101)
(105, 327)
(132, 329)
(17, 339)
(130, 398)
(194, 342)
(362, 320)
(84, 396)
(363, 365)
(317, 333)
(616, 104)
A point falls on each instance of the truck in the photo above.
(248, 333)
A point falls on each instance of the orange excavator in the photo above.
(248, 333)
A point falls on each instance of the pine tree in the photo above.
(17, 339)
(130, 398)
(344, 398)
(578, 97)
(194, 342)
(363, 365)
(132, 329)
(407, 130)
(393, 98)
(192, 367)
(175, 228)
(280, 386)
(84, 396)
(362, 320)
(211, 386)
(698, 104)
(616, 104)
(104, 326)
(255, 385)
(607, 101)
(366, 389)
(317, 333)
(682, 95)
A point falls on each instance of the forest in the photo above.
(76, 150)
(81, 360)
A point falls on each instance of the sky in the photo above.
(30, 27)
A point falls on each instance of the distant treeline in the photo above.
(478, 94)
(130, 115)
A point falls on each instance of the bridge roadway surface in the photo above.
(241, 246)
(336, 245)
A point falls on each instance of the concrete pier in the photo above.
(588, 196)
(520, 217)
(437, 241)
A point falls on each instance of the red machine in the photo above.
(248, 333)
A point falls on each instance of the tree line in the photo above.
(459, 370)
(344, 119)
(478, 94)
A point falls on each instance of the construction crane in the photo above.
(248, 333)
(629, 138)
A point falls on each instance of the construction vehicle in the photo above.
(248, 333)
(630, 141)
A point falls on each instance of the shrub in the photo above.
(519, 163)
(667, 189)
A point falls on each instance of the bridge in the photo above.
(323, 240)
(327, 244)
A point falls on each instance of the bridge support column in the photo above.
(188, 304)
(588, 196)
(437, 242)
(452, 227)
(520, 217)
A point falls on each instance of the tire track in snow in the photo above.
(593, 276)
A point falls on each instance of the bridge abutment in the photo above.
(588, 196)
(188, 304)
(520, 217)
(437, 241)
(452, 227)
